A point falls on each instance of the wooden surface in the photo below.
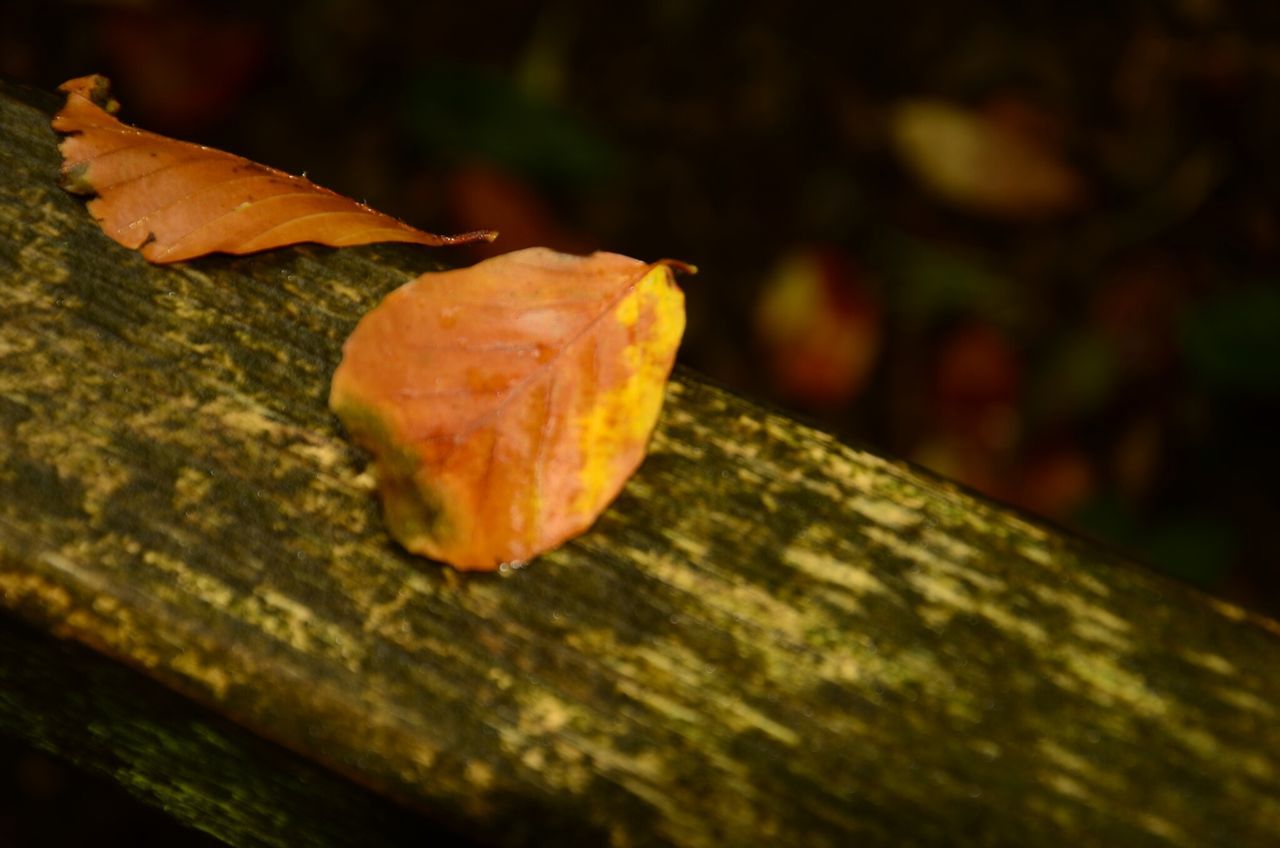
(771, 638)
(202, 769)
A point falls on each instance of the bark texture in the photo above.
(771, 638)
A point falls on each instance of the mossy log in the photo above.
(770, 638)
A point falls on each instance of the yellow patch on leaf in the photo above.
(623, 416)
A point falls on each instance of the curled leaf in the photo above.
(506, 404)
(174, 200)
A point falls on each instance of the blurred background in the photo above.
(1033, 250)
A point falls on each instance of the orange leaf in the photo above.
(506, 404)
(174, 200)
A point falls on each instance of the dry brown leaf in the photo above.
(506, 404)
(173, 200)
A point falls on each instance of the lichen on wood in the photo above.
(772, 637)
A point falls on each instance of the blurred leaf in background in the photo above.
(992, 163)
(818, 327)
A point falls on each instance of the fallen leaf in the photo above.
(173, 200)
(506, 404)
(982, 164)
(818, 328)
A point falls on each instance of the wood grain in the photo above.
(771, 638)
(200, 768)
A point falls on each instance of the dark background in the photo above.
(1032, 248)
